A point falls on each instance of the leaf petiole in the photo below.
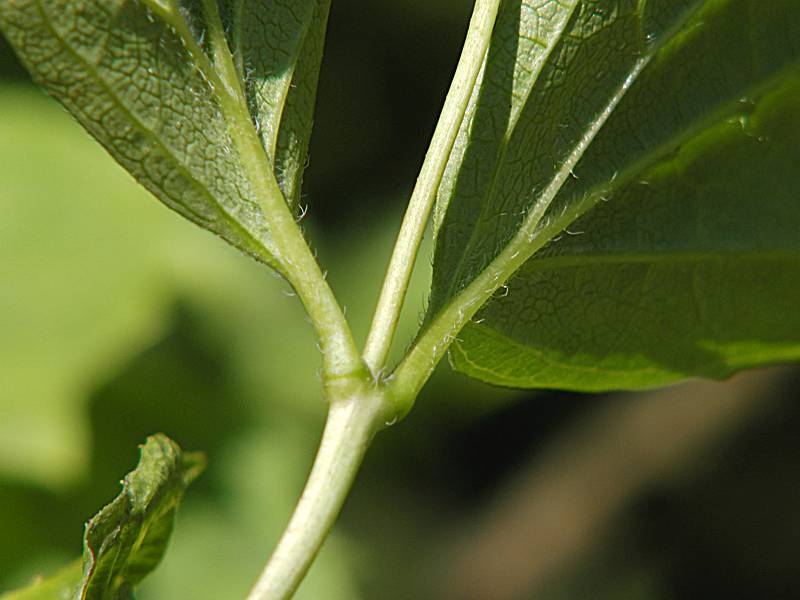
(295, 260)
(401, 264)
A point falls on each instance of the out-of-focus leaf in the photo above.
(61, 586)
(86, 281)
(127, 539)
(156, 84)
(116, 264)
(682, 117)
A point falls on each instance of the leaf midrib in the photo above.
(500, 158)
(281, 109)
(271, 148)
(551, 191)
(657, 257)
(443, 327)
(716, 117)
(508, 260)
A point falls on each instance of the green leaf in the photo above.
(155, 82)
(61, 586)
(278, 48)
(647, 154)
(127, 539)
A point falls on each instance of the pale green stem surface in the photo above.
(359, 409)
(296, 261)
(398, 275)
(351, 424)
(411, 374)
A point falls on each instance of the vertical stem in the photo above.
(398, 274)
(357, 411)
(351, 424)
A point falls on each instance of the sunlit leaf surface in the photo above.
(648, 152)
(178, 104)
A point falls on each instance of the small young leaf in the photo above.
(647, 153)
(127, 538)
(156, 83)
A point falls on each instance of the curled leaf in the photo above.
(127, 539)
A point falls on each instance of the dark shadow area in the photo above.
(10, 67)
(732, 531)
(28, 518)
(385, 74)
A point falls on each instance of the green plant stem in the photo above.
(429, 348)
(398, 275)
(363, 410)
(351, 424)
(414, 370)
(297, 263)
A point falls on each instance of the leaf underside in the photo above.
(647, 156)
(278, 45)
(144, 78)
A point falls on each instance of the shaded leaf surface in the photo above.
(648, 152)
(278, 47)
(232, 305)
(126, 540)
(144, 77)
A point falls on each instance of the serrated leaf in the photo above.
(127, 539)
(153, 81)
(647, 153)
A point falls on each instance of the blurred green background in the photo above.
(118, 319)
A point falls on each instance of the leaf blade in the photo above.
(141, 77)
(127, 539)
(90, 75)
(278, 45)
(622, 139)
